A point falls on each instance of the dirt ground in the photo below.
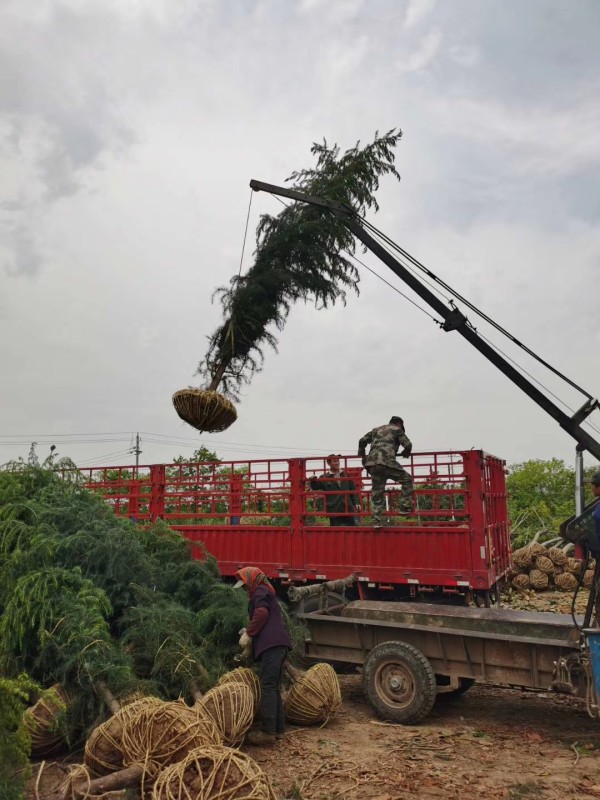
(490, 743)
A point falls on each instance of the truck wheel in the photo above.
(399, 682)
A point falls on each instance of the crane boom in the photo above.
(454, 319)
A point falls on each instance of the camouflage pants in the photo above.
(380, 474)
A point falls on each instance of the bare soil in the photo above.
(490, 743)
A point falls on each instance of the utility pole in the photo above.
(137, 450)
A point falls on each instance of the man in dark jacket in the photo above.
(270, 645)
(341, 499)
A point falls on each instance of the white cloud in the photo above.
(544, 139)
(426, 52)
(128, 134)
(417, 11)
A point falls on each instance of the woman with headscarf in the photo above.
(270, 642)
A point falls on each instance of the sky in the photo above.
(129, 132)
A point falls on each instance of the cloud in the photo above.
(58, 119)
(424, 55)
(416, 11)
(543, 139)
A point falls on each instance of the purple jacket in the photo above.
(273, 633)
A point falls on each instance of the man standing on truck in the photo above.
(382, 466)
(341, 500)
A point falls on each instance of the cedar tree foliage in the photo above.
(91, 601)
(303, 253)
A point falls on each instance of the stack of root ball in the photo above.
(170, 750)
(539, 567)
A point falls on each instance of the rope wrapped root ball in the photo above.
(231, 706)
(557, 556)
(43, 722)
(247, 676)
(565, 581)
(522, 557)
(573, 565)
(588, 578)
(314, 697)
(544, 564)
(521, 581)
(539, 580)
(213, 773)
(104, 747)
(159, 735)
(204, 409)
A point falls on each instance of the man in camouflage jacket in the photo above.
(382, 466)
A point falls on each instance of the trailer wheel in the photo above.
(399, 682)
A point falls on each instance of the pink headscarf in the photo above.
(252, 577)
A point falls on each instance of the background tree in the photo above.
(541, 495)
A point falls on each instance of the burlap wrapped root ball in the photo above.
(539, 580)
(231, 706)
(247, 676)
(521, 581)
(565, 581)
(573, 566)
(314, 697)
(213, 773)
(104, 747)
(588, 578)
(204, 409)
(544, 564)
(557, 556)
(43, 722)
(522, 558)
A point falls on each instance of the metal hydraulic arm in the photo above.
(454, 319)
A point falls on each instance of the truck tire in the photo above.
(399, 682)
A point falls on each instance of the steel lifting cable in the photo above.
(245, 233)
(386, 240)
(505, 355)
(471, 306)
(381, 278)
(395, 288)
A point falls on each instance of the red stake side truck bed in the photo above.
(267, 513)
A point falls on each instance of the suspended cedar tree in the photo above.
(299, 256)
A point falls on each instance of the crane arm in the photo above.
(454, 319)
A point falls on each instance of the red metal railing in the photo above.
(265, 512)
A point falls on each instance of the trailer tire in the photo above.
(399, 682)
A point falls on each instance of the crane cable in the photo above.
(471, 306)
(388, 244)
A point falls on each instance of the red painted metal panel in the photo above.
(265, 512)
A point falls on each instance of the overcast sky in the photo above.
(129, 131)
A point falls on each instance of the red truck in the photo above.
(265, 512)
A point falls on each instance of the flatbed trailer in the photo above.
(412, 652)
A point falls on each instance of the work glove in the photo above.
(406, 452)
(364, 461)
(245, 644)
